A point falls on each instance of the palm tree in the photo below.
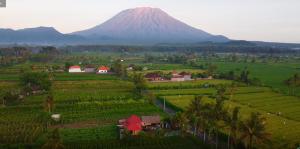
(233, 122)
(181, 121)
(49, 103)
(219, 113)
(253, 129)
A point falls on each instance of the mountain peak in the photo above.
(147, 25)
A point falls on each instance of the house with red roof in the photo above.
(135, 124)
(132, 124)
(74, 69)
(103, 70)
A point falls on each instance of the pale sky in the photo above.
(264, 20)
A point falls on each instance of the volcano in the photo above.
(147, 25)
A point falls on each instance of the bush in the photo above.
(35, 81)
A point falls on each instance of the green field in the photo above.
(285, 126)
(89, 109)
(271, 74)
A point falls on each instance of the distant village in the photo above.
(157, 76)
(89, 69)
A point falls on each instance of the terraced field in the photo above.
(281, 111)
(90, 110)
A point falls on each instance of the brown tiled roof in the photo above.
(151, 119)
(152, 75)
(184, 73)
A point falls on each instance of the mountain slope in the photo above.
(38, 35)
(147, 25)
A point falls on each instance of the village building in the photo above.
(133, 124)
(89, 69)
(151, 122)
(183, 76)
(186, 76)
(74, 69)
(103, 70)
(153, 76)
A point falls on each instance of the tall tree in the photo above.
(233, 122)
(194, 112)
(245, 75)
(211, 69)
(219, 111)
(139, 83)
(33, 81)
(182, 121)
(254, 130)
(292, 83)
(49, 103)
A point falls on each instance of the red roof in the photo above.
(74, 67)
(133, 123)
(103, 68)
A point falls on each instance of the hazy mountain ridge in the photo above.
(38, 35)
(141, 26)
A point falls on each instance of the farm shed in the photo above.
(151, 120)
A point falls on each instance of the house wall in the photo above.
(75, 70)
(89, 70)
(187, 77)
(102, 71)
(177, 79)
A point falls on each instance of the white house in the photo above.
(103, 70)
(74, 69)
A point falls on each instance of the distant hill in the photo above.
(147, 25)
(39, 35)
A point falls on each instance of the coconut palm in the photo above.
(233, 122)
(219, 113)
(181, 121)
(49, 103)
(196, 113)
(253, 130)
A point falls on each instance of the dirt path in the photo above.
(82, 124)
(168, 110)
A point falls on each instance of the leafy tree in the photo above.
(34, 81)
(254, 130)
(119, 69)
(211, 69)
(10, 97)
(292, 83)
(150, 97)
(68, 65)
(245, 76)
(139, 83)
